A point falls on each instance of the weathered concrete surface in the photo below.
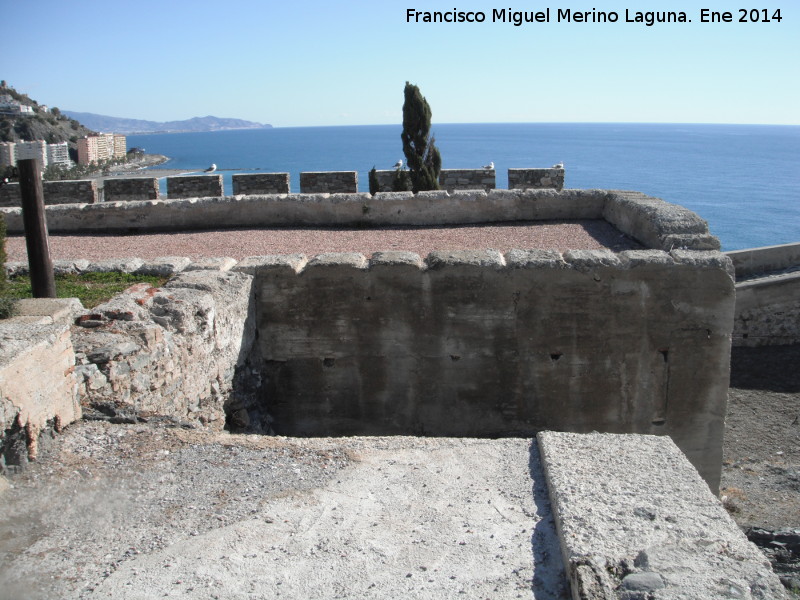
(635, 522)
(767, 295)
(145, 514)
(768, 311)
(482, 344)
(759, 261)
(38, 389)
(182, 351)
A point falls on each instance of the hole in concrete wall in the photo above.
(455, 357)
(665, 354)
(328, 362)
(659, 421)
(555, 356)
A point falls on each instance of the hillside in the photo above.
(52, 127)
(128, 126)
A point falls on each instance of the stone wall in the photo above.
(655, 223)
(38, 390)
(128, 189)
(194, 186)
(260, 183)
(485, 344)
(182, 352)
(385, 179)
(83, 191)
(467, 179)
(536, 178)
(330, 182)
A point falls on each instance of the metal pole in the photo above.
(35, 222)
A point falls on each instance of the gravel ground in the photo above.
(239, 243)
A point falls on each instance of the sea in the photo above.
(743, 179)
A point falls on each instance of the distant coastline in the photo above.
(141, 127)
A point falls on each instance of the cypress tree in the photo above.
(422, 155)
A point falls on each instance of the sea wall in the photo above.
(655, 223)
(130, 188)
(486, 344)
(260, 183)
(182, 351)
(329, 182)
(536, 178)
(194, 186)
(82, 191)
(38, 388)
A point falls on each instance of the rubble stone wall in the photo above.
(182, 351)
(260, 183)
(329, 182)
(82, 191)
(467, 179)
(132, 188)
(194, 186)
(536, 178)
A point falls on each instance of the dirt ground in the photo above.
(761, 465)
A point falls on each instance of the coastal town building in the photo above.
(58, 154)
(104, 146)
(10, 106)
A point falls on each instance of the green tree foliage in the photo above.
(6, 304)
(422, 155)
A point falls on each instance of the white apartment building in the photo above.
(58, 154)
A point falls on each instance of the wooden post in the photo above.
(35, 222)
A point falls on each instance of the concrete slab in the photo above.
(164, 512)
(636, 521)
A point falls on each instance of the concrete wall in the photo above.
(655, 223)
(767, 295)
(55, 192)
(38, 390)
(536, 178)
(182, 351)
(329, 182)
(194, 186)
(768, 311)
(260, 183)
(478, 343)
(467, 179)
(753, 262)
(132, 188)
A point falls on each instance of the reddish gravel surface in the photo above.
(239, 243)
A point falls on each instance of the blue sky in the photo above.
(323, 62)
